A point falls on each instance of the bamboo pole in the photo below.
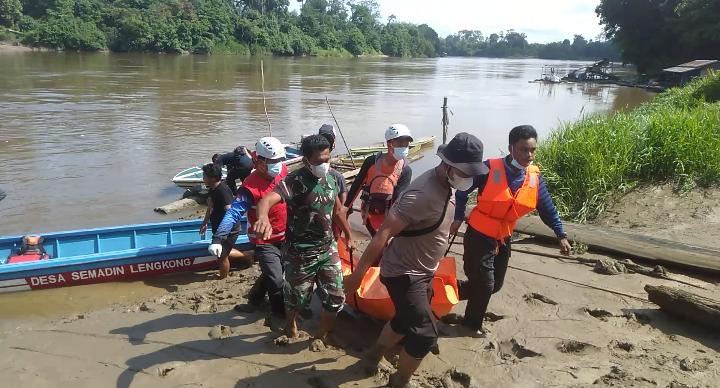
(352, 158)
(262, 76)
(445, 120)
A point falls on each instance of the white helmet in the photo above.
(270, 148)
(397, 130)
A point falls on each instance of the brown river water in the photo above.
(91, 140)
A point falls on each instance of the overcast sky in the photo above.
(542, 21)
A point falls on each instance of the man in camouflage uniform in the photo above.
(310, 252)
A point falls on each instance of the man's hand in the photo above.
(351, 283)
(351, 244)
(203, 230)
(565, 246)
(263, 228)
(454, 227)
(215, 250)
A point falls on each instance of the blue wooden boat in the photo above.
(109, 254)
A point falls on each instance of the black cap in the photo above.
(327, 129)
(464, 152)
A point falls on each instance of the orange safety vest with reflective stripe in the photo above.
(497, 209)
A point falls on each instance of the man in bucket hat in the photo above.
(419, 225)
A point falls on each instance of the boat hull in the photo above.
(111, 254)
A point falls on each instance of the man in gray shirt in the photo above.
(419, 225)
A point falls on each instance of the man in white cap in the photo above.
(269, 171)
(419, 226)
(382, 177)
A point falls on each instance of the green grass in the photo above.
(332, 53)
(231, 47)
(674, 138)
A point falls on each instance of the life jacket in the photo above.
(497, 209)
(30, 250)
(258, 187)
(377, 194)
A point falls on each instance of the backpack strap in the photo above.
(431, 228)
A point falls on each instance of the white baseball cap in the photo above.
(397, 130)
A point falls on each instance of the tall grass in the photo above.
(674, 138)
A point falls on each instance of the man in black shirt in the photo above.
(239, 165)
(219, 200)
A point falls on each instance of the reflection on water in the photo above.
(92, 140)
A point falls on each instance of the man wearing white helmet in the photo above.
(382, 177)
(269, 171)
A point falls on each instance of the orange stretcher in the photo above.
(372, 297)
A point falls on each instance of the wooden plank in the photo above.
(630, 244)
(685, 305)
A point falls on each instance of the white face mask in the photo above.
(274, 169)
(401, 152)
(517, 165)
(320, 170)
(462, 184)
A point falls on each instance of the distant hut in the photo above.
(682, 74)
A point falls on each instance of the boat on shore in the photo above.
(192, 176)
(107, 254)
(360, 153)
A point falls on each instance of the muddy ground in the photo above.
(556, 323)
(544, 332)
(693, 217)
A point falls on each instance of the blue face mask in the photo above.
(401, 152)
(274, 169)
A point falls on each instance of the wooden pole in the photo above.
(262, 76)
(445, 120)
(352, 158)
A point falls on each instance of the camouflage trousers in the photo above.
(303, 271)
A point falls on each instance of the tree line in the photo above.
(321, 27)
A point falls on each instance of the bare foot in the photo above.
(398, 382)
(291, 330)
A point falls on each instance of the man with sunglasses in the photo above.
(269, 171)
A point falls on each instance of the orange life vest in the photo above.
(378, 192)
(497, 208)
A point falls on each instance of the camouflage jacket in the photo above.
(310, 203)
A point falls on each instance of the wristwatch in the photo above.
(562, 236)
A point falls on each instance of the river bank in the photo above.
(543, 332)
(675, 139)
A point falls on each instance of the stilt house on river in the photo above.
(682, 74)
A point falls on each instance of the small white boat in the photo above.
(191, 177)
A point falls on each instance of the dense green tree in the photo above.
(10, 12)
(262, 27)
(656, 33)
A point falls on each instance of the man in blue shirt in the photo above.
(487, 251)
(239, 165)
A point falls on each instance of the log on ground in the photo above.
(630, 244)
(686, 305)
(173, 207)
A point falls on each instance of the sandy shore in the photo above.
(11, 48)
(544, 332)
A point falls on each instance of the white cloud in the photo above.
(542, 21)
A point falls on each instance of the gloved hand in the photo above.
(215, 249)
